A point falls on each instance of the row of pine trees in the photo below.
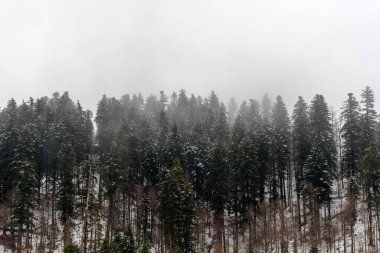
(188, 174)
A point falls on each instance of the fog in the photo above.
(237, 48)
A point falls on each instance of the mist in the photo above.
(240, 49)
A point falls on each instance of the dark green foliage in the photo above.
(234, 156)
(368, 118)
(220, 129)
(144, 217)
(153, 165)
(280, 147)
(128, 242)
(301, 140)
(112, 171)
(71, 247)
(24, 180)
(197, 159)
(371, 166)
(177, 209)
(116, 244)
(36, 165)
(260, 133)
(317, 176)
(351, 134)
(88, 181)
(249, 174)
(218, 180)
(108, 119)
(148, 153)
(321, 129)
(105, 247)
(66, 192)
(174, 149)
(245, 186)
(9, 140)
(314, 249)
(162, 139)
(218, 177)
(320, 165)
(145, 248)
(127, 145)
(353, 187)
(243, 163)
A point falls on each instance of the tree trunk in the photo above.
(219, 231)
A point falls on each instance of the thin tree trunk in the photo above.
(83, 246)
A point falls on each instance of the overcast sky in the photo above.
(240, 48)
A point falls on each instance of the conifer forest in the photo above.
(181, 173)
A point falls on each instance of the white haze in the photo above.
(240, 48)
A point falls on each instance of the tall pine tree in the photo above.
(177, 210)
(66, 192)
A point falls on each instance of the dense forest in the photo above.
(181, 174)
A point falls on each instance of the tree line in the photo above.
(189, 174)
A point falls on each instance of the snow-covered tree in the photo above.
(177, 209)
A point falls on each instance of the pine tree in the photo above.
(368, 118)
(116, 244)
(144, 215)
(105, 126)
(177, 209)
(218, 187)
(266, 108)
(321, 128)
(24, 183)
(42, 114)
(320, 165)
(281, 159)
(148, 150)
(128, 151)
(174, 148)
(197, 159)
(8, 142)
(370, 163)
(128, 242)
(263, 138)
(351, 134)
(112, 175)
(323, 151)
(105, 248)
(162, 139)
(163, 100)
(351, 152)
(89, 199)
(245, 188)
(145, 248)
(232, 111)
(71, 247)
(214, 101)
(235, 158)
(152, 109)
(66, 192)
(181, 112)
(281, 150)
(301, 140)
(318, 176)
(313, 249)
(220, 129)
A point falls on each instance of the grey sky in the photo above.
(240, 48)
